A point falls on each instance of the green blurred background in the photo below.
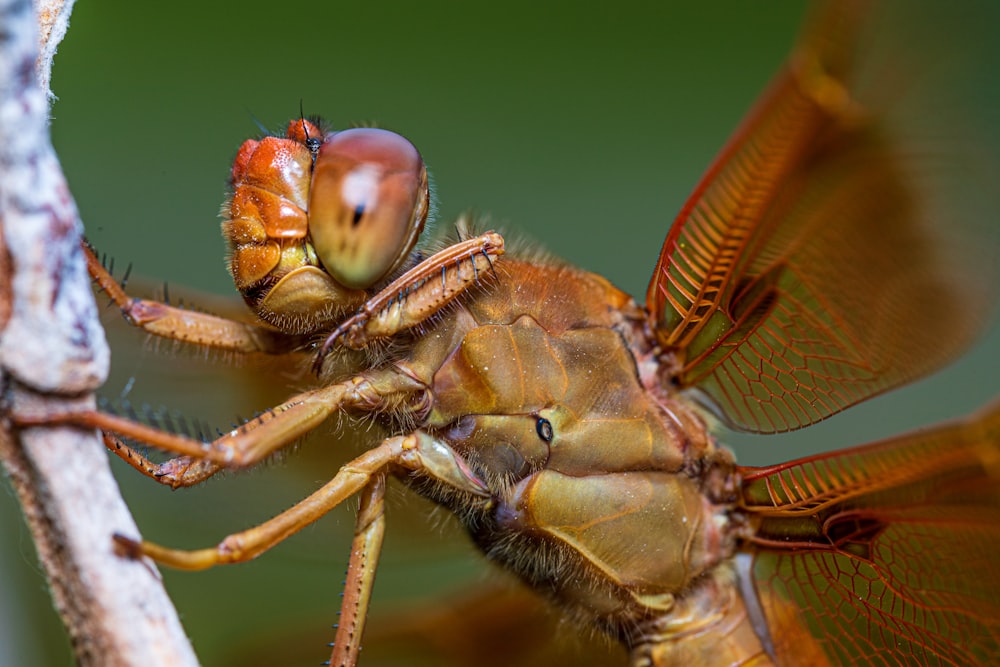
(580, 127)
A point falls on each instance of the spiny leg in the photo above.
(253, 441)
(181, 471)
(418, 294)
(417, 452)
(369, 531)
(188, 326)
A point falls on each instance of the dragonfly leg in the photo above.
(253, 441)
(369, 531)
(177, 472)
(184, 325)
(418, 453)
(419, 293)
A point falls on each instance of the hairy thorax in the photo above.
(608, 497)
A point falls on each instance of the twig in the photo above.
(53, 354)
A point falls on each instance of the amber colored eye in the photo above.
(367, 204)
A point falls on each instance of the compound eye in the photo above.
(367, 204)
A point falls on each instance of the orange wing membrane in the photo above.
(867, 551)
(807, 272)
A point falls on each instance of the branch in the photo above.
(53, 355)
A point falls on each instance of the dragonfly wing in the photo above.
(884, 554)
(826, 257)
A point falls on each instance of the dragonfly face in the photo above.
(316, 218)
(750, 298)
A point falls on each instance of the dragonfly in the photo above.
(569, 427)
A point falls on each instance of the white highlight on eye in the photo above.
(360, 187)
